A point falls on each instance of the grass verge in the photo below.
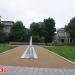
(4, 47)
(65, 51)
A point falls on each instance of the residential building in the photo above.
(7, 25)
(62, 36)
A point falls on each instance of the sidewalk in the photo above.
(12, 70)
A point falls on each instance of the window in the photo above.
(62, 40)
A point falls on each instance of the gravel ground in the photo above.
(45, 59)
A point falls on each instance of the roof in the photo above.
(61, 29)
(8, 22)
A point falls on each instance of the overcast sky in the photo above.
(29, 11)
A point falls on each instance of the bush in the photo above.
(36, 39)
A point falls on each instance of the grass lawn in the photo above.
(4, 47)
(65, 51)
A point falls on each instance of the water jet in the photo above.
(30, 51)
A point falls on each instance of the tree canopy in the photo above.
(49, 29)
(44, 30)
(41, 31)
(70, 28)
(2, 34)
(34, 29)
(18, 32)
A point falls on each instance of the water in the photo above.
(30, 51)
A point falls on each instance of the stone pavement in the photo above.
(13, 70)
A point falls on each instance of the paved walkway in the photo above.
(36, 71)
(45, 59)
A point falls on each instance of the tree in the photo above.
(2, 34)
(70, 28)
(35, 32)
(44, 30)
(49, 30)
(35, 28)
(18, 32)
(36, 39)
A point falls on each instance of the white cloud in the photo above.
(37, 10)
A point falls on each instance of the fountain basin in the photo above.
(30, 53)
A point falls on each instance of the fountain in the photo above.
(30, 51)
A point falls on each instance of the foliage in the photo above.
(49, 29)
(18, 32)
(2, 34)
(36, 39)
(36, 32)
(35, 28)
(70, 28)
(44, 29)
(41, 32)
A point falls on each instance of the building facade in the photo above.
(62, 36)
(7, 25)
